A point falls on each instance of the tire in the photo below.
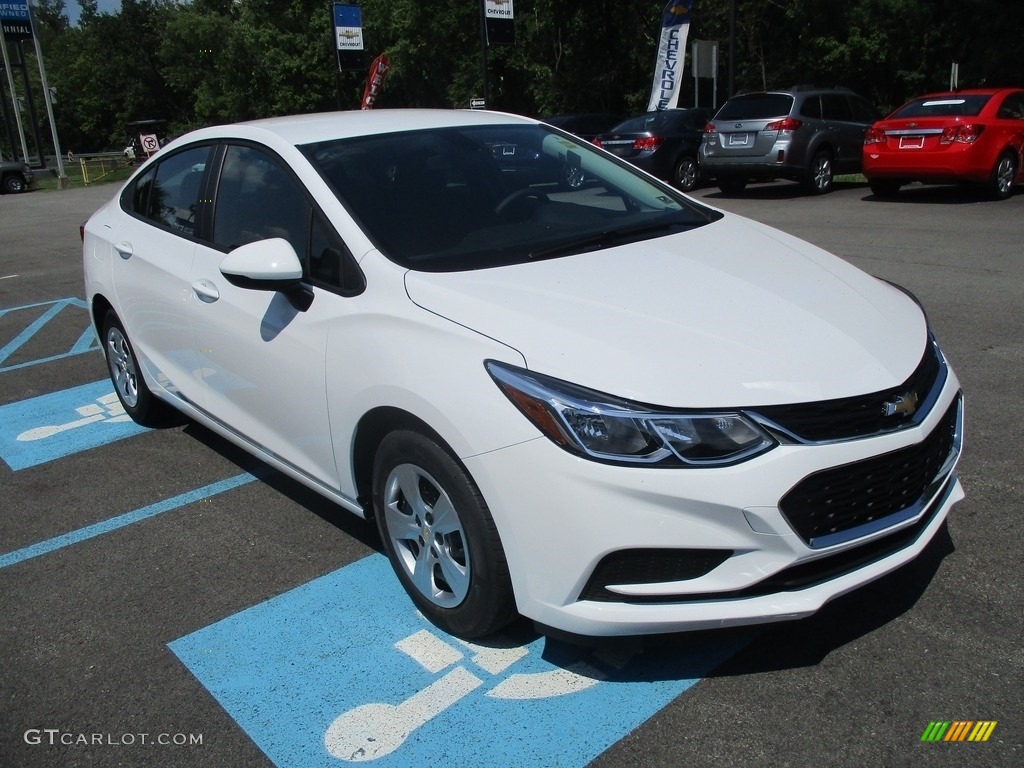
(686, 174)
(440, 536)
(732, 186)
(139, 403)
(1000, 184)
(884, 188)
(14, 183)
(819, 178)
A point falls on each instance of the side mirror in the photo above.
(268, 265)
(265, 265)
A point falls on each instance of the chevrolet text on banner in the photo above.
(668, 67)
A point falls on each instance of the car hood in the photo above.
(730, 314)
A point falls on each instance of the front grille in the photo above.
(828, 504)
(852, 417)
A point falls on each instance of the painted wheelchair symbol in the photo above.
(371, 731)
(107, 409)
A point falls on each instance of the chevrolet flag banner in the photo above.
(668, 67)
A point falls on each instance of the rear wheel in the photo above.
(732, 186)
(884, 188)
(440, 536)
(819, 175)
(686, 174)
(1000, 185)
(131, 389)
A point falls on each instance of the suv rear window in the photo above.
(944, 106)
(756, 106)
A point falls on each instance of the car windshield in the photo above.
(756, 106)
(943, 106)
(453, 199)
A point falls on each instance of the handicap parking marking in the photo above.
(345, 670)
(52, 426)
(84, 342)
(128, 518)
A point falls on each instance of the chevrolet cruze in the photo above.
(602, 406)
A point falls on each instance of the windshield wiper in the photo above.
(609, 237)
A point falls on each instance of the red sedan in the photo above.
(972, 136)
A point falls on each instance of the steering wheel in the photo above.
(517, 195)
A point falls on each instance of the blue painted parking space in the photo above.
(49, 427)
(343, 669)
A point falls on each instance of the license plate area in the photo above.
(738, 139)
(911, 142)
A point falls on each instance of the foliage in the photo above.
(208, 61)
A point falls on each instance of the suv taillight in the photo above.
(710, 128)
(596, 142)
(786, 125)
(648, 143)
(961, 134)
(874, 136)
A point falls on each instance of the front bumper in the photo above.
(560, 517)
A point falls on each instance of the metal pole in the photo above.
(732, 49)
(62, 177)
(483, 53)
(14, 101)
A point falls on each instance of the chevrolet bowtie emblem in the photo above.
(901, 405)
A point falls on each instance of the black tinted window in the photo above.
(168, 194)
(834, 106)
(811, 108)
(1013, 107)
(258, 200)
(862, 111)
(757, 106)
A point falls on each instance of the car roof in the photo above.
(323, 126)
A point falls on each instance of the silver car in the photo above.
(807, 135)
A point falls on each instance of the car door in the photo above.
(154, 247)
(262, 356)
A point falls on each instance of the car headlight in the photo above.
(607, 428)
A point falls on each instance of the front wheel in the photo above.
(440, 536)
(138, 402)
(1000, 185)
(686, 174)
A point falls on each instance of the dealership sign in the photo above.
(17, 24)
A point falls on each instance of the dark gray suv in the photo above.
(804, 134)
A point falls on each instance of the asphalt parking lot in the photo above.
(167, 601)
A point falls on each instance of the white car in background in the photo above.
(604, 407)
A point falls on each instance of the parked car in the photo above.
(15, 176)
(973, 136)
(586, 125)
(665, 144)
(608, 408)
(804, 134)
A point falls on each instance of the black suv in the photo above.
(805, 134)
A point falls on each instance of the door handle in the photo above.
(124, 249)
(206, 291)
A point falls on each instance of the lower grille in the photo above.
(842, 503)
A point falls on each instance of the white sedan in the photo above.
(597, 404)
